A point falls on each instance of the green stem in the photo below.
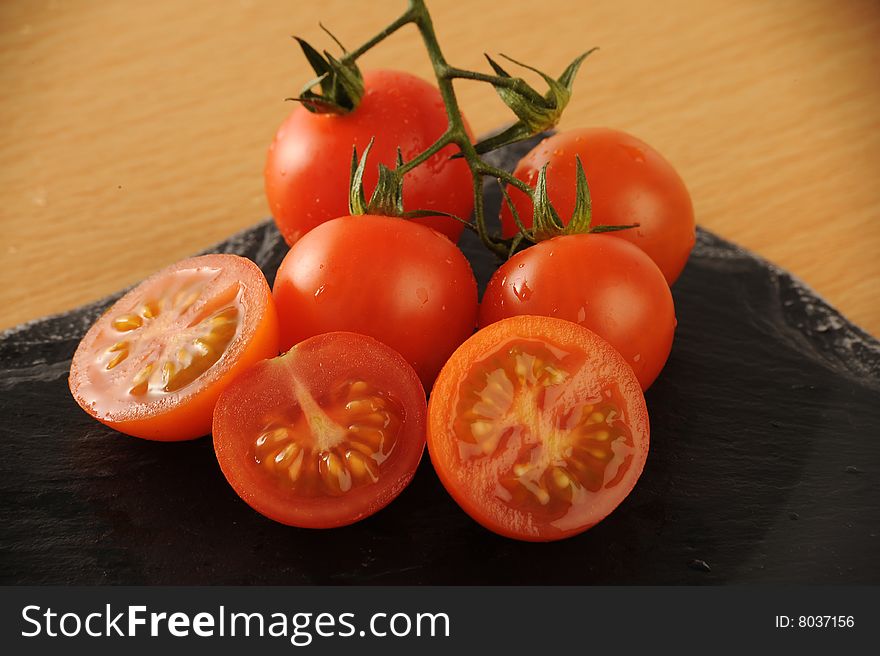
(505, 176)
(417, 13)
(513, 83)
(405, 19)
(456, 130)
(444, 140)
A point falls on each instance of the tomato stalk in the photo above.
(535, 113)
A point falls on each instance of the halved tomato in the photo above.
(154, 364)
(324, 435)
(538, 428)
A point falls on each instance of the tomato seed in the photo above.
(119, 357)
(127, 322)
(595, 418)
(360, 406)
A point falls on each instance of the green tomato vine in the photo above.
(341, 87)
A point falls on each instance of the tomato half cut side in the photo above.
(155, 363)
(324, 435)
(538, 428)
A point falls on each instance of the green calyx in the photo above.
(535, 112)
(546, 223)
(341, 83)
(387, 197)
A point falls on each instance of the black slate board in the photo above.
(764, 461)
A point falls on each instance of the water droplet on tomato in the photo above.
(636, 154)
(524, 293)
(582, 314)
(319, 291)
(422, 295)
(637, 357)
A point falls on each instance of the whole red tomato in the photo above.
(598, 281)
(629, 182)
(397, 281)
(309, 162)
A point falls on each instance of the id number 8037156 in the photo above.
(815, 622)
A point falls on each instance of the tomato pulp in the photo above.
(537, 428)
(154, 364)
(324, 435)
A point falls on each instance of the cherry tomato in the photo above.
(537, 428)
(629, 182)
(398, 281)
(600, 282)
(154, 364)
(324, 435)
(308, 166)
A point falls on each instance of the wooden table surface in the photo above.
(134, 134)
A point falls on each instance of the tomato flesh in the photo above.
(324, 435)
(317, 451)
(163, 346)
(155, 363)
(544, 430)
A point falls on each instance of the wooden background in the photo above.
(134, 133)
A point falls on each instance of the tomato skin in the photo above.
(263, 393)
(185, 414)
(472, 490)
(309, 162)
(629, 182)
(397, 281)
(600, 282)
